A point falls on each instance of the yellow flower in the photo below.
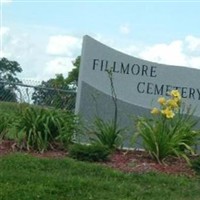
(175, 94)
(168, 113)
(172, 103)
(162, 100)
(178, 100)
(155, 111)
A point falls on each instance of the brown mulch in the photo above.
(140, 162)
(124, 160)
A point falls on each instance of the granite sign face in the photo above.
(138, 84)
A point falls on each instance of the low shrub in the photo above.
(93, 152)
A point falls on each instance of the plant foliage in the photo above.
(106, 133)
(4, 125)
(93, 152)
(170, 132)
(40, 127)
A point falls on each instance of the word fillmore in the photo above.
(134, 69)
(155, 89)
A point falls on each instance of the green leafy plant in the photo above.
(93, 152)
(4, 124)
(38, 128)
(69, 129)
(106, 133)
(9, 113)
(170, 131)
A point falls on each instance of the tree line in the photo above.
(43, 93)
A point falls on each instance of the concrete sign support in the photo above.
(138, 84)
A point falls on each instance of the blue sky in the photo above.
(46, 36)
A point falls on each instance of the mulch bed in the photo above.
(124, 160)
(140, 162)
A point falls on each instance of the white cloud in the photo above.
(174, 53)
(179, 52)
(194, 62)
(22, 47)
(58, 65)
(104, 40)
(4, 30)
(6, 1)
(29, 50)
(4, 33)
(171, 54)
(193, 43)
(131, 50)
(63, 45)
(124, 29)
(14, 45)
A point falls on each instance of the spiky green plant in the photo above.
(107, 133)
(38, 128)
(170, 132)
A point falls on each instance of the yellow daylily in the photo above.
(175, 94)
(161, 101)
(177, 99)
(172, 103)
(168, 113)
(155, 111)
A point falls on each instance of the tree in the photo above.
(72, 78)
(54, 93)
(8, 78)
(58, 92)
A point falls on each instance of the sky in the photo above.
(45, 37)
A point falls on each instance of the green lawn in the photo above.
(23, 177)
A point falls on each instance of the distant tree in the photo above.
(72, 78)
(54, 93)
(58, 92)
(8, 71)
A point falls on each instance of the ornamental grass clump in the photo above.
(170, 130)
(39, 128)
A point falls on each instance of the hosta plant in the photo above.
(170, 130)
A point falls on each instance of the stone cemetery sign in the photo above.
(138, 84)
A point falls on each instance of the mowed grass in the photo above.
(23, 177)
